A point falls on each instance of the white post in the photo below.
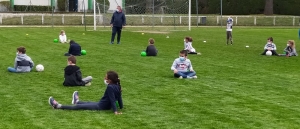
(180, 20)
(82, 20)
(293, 21)
(143, 19)
(42, 19)
(190, 11)
(0, 19)
(94, 14)
(217, 20)
(236, 20)
(274, 20)
(63, 19)
(254, 20)
(22, 19)
(161, 19)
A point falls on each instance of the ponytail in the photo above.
(119, 83)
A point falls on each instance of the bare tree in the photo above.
(268, 7)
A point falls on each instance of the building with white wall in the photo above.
(82, 4)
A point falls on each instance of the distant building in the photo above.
(74, 5)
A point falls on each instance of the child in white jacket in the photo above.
(63, 37)
(188, 46)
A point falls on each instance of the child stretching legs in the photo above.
(107, 102)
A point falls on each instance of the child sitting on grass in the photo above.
(270, 46)
(151, 49)
(23, 63)
(290, 50)
(74, 49)
(188, 46)
(73, 75)
(62, 37)
(182, 67)
(111, 95)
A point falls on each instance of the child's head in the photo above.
(112, 78)
(62, 32)
(151, 41)
(270, 40)
(187, 39)
(71, 60)
(190, 39)
(72, 41)
(182, 55)
(21, 50)
(291, 43)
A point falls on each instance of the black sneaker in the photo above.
(75, 97)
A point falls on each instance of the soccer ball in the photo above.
(39, 68)
(269, 53)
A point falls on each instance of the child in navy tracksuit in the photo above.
(74, 49)
(112, 95)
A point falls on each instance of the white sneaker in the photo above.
(88, 84)
(195, 77)
(188, 77)
(180, 77)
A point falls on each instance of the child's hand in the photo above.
(118, 113)
(175, 71)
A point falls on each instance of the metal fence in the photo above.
(144, 20)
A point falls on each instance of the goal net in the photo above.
(156, 14)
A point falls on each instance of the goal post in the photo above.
(156, 14)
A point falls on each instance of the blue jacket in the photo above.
(118, 19)
(111, 95)
(75, 49)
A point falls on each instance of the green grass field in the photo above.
(236, 86)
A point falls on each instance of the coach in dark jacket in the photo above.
(118, 21)
(75, 49)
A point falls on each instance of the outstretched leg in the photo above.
(86, 106)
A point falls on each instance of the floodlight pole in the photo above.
(221, 11)
(94, 14)
(83, 4)
(190, 11)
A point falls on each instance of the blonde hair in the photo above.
(292, 42)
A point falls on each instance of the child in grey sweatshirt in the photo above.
(23, 63)
(290, 49)
(182, 67)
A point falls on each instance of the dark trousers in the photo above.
(116, 30)
(192, 53)
(273, 52)
(85, 106)
(68, 54)
(184, 74)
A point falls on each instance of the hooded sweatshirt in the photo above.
(23, 63)
(182, 66)
(73, 76)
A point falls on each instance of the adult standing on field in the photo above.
(118, 21)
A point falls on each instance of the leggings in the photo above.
(83, 106)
